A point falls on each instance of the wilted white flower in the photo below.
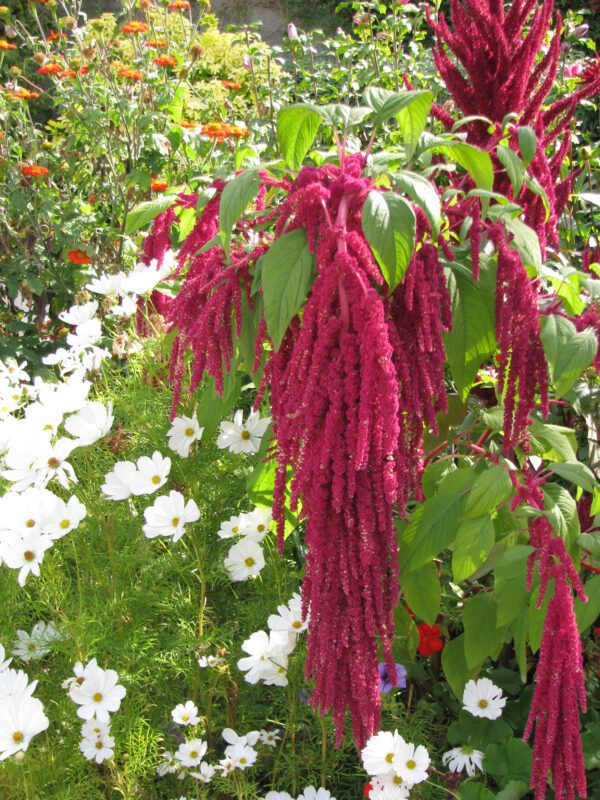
(205, 773)
(34, 645)
(463, 758)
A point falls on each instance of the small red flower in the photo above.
(34, 170)
(52, 68)
(135, 27)
(156, 43)
(83, 70)
(430, 640)
(22, 94)
(158, 185)
(178, 5)
(130, 74)
(165, 61)
(67, 73)
(231, 84)
(78, 257)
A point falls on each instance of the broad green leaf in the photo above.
(560, 442)
(578, 474)
(510, 589)
(406, 635)
(477, 731)
(342, 116)
(142, 214)
(473, 791)
(588, 613)
(286, 275)
(513, 165)
(561, 510)
(213, 408)
(424, 194)
(474, 540)
(455, 666)
(235, 199)
(482, 637)
(526, 241)
(412, 119)
(476, 162)
(490, 489)
(297, 127)
(422, 591)
(472, 339)
(569, 351)
(432, 529)
(389, 225)
(510, 760)
(527, 144)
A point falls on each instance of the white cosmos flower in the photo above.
(183, 433)
(232, 738)
(51, 463)
(90, 423)
(4, 662)
(98, 695)
(267, 657)
(209, 661)
(98, 749)
(205, 772)
(191, 753)
(44, 418)
(8, 405)
(21, 461)
(25, 552)
(85, 335)
(15, 682)
(66, 517)
(290, 617)
(144, 277)
(21, 718)
(13, 371)
(244, 560)
(243, 437)
(256, 524)
(242, 755)
(77, 315)
(106, 284)
(186, 714)
(463, 758)
(270, 738)
(30, 509)
(386, 789)
(92, 729)
(278, 796)
(36, 644)
(68, 396)
(230, 528)
(126, 308)
(311, 793)
(152, 473)
(482, 698)
(380, 751)
(119, 482)
(169, 515)
(411, 763)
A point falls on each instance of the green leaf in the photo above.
(424, 194)
(561, 511)
(526, 241)
(510, 760)
(482, 637)
(527, 144)
(212, 408)
(432, 529)
(477, 731)
(422, 591)
(476, 162)
(473, 791)
(472, 339)
(510, 586)
(474, 540)
(142, 214)
(588, 613)
(455, 666)
(286, 276)
(412, 119)
(297, 128)
(569, 351)
(389, 224)
(514, 790)
(340, 115)
(490, 489)
(578, 474)
(406, 635)
(513, 165)
(235, 199)
(560, 442)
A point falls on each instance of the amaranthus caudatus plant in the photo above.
(348, 295)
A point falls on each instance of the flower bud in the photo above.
(39, 57)
(580, 31)
(15, 71)
(292, 32)
(196, 50)
(70, 23)
(4, 10)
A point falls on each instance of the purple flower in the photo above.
(385, 685)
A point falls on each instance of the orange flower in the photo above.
(158, 185)
(221, 131)
(54, 35)
(186, 123)
(51, 68)
(78, 257)
(135, 27)
(67, 73)
(130, 74)
(22, 94)
(165, 61)
(4, 45)
(83, 70)
(178, 5)
(156, 43)
(231, 84)
(34, 170)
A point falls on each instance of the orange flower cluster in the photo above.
(51, 68)
(55, 35)
(158, 185)
(130, 74)
(22, 94)
(178, 5)
(186, 123)
(4, 45)
(231, 84)
(67, 73)
(156, 43)
(78, 257)
(34, 170)
(221, 131)
(83, 70)
(135, 27)
(165, 61)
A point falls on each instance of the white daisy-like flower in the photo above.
(66, 517)
(98, 749)
(186, 714)
(21, 718)
(51, 463)
(118, 484)
(4, 662)
(231, 527)
(243, 437)
(169, 515)
(209, 661)
(245, 560)
(92, 729)
(311, 793)
(144, 277)
(77, 315)
(183, 433)
(205, 772)
(226, 766)
(379, 752)
(99, 695)
(232, 738)
(411, 763)
(269, 738)
(290, 617)
(90, 423)
(256, 524)
(278, 796)
(386, 789)
(13, 371)
(106, 284)
(465, 758)
(152, 473)
(25, 552)
(86, 334)
(34, 645)
(15, 682)
(242, 755)
(191, 753)
(482, 698)
(267, 657)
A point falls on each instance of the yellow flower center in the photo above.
(249, 562)
(296, 624)
(99, 745)
(194, 753)
(389, 758)
(243, 760)
(175, 522)
(184, 717)
(53, 463)
(17, 737)
(189, 431)
(28, 555)
(64, 524)
(397, 780)
(156, 479)
(483, 704)
(30, 523)
(260, 528)
(245, 435)
(97, 697)
(410, 764)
